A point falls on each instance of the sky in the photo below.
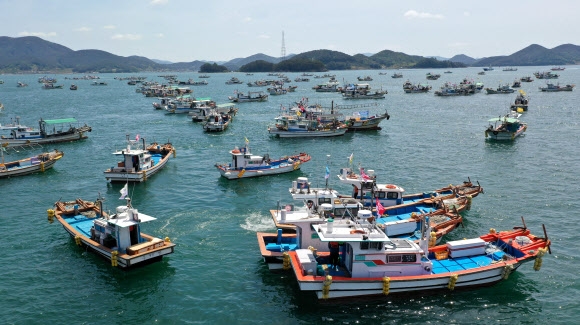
(222, 30)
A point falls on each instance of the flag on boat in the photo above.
(364, 175)
(137, 137)
(380, 208)
(350, 158)
(327, 173)
(247, 141)
(124, 191)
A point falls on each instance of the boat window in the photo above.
(380, 195)
(364, 245)
(392, 195)
(402, 258)
(324, 200)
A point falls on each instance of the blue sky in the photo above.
(221, 30)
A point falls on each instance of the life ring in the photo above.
(236, 151)
(390, 186)
(357, 231)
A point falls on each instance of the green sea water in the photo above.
(216, 275)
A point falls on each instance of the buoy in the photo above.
(386, 285)
(469, 199)
(507, 270)
(144, 175)
(42, 166)
(492, 231)
(326, 286)
(78, 240)
(241, 173)
(432, 239)
(174, 153)
(50, 213)
(538, 262)
(114, 255)
(452, 281)
(286, 261)
(167, 240)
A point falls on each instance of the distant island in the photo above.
(32, 54)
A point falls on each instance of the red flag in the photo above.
(380, 208)
(363, 175)
(137, 137)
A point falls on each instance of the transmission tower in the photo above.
(283, 53)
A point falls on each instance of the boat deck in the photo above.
(156, 157)
(465, 263)
(81, 223)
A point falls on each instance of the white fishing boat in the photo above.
(117, 237)
(202, 112)
(294, 126)
(139, 162)
(37, 163)
(366, 262)
(244, 164)
(49, 131)
(252, 96)
(217, 122)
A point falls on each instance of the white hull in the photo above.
(140, 176)
(26, 170)
(303, 134)
(46, 140)
(234, 174)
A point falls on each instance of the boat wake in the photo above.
(258, 222)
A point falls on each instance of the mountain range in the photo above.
(32, 54)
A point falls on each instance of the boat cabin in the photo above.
(122, 230)
(242, 158)
(134, 160)
(365, 188)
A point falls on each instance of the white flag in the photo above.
(124, 191)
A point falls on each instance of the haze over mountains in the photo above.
(33, 54)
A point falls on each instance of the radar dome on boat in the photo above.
(326, 206)
(364, 214)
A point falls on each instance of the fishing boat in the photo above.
(397, 75)
(516, 84)
(252, 96)
(558, 69)
(217, 122)
(431, 76)
(506, 127)
(161, 103)
(244, 164)
(509, 69)
(367, 78)
(38, 163)
(501, 89)
(358, 93)
(415, 89)
(202, 113)
(49, 131)
(73, 87)
(526, 79)
(367, 262)
(546, 75)
(21, 84)
(521, 102)
(362, 121)
(139, 162)
(117, 237)
(295, 126)
(550, 87)
(490, 68)
(233, 81)
(366, 189)
(51, 86)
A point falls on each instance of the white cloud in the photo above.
(109, 27)
(159, 35)
(126, 37)
(263, 36)
(158, 2)
(39, 34)
(414, 14)
(83, 29)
